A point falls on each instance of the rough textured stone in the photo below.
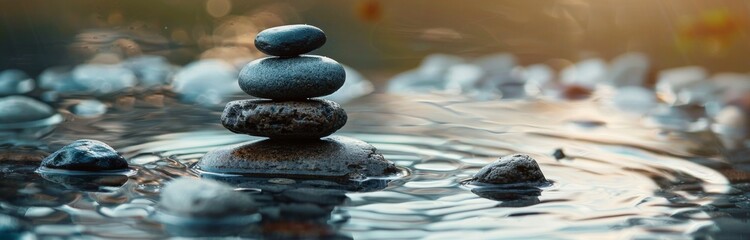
(334, 156)
(290, 40)
(86, 155)
(192, 197)
(511, 169)
(306, 76)
(307, 119)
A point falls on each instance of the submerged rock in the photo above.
(14, 82)
(290, 40)
(511, 169)
(190, 197)
(306, 76)
(331, 157)
(308, 119)
(86, 155)
(587, 73)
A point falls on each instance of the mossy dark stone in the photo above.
(290, 40)
(309, 119)
(295, 78)
(511, 169)
(86, 155)
(330, 157)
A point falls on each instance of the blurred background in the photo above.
(379, 37)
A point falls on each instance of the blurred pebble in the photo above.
(56, 78)
(628, 69)
(354, 87)
(635, 99)
(16, 109)
(14, 82)
(90, 108)
(101, 79)
(671, 82)
(538, 78)
(11, 227)
(206, 82)
(731, 126)
(429, 76)
(587, 73)
(151, 70)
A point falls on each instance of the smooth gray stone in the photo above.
(330, 157)
(290, 40)
(295, 78)
(191, 197)
(309, 119)
(86, 155)
(511, 169)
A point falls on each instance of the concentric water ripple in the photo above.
(620, 179)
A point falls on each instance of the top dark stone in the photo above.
(511, 169)
(86, 155)
(290, 40)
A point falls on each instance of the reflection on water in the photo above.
(620, 178)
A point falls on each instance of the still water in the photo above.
(623, 176)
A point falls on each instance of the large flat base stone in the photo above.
(330, 157)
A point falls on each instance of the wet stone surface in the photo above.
(86, 155)
(331, 157)
(308, 119)
(511, 169)
(290, 40)
(306, 76)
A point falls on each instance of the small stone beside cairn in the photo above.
(291, 115)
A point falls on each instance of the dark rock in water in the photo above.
(86, 155)
(290, 40)
(11, 228)
(190, 197)
(334, 157)
(511, 169)
(302, 77)
(559, 154)
(307, 119)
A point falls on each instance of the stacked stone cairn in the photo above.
(289, 113)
